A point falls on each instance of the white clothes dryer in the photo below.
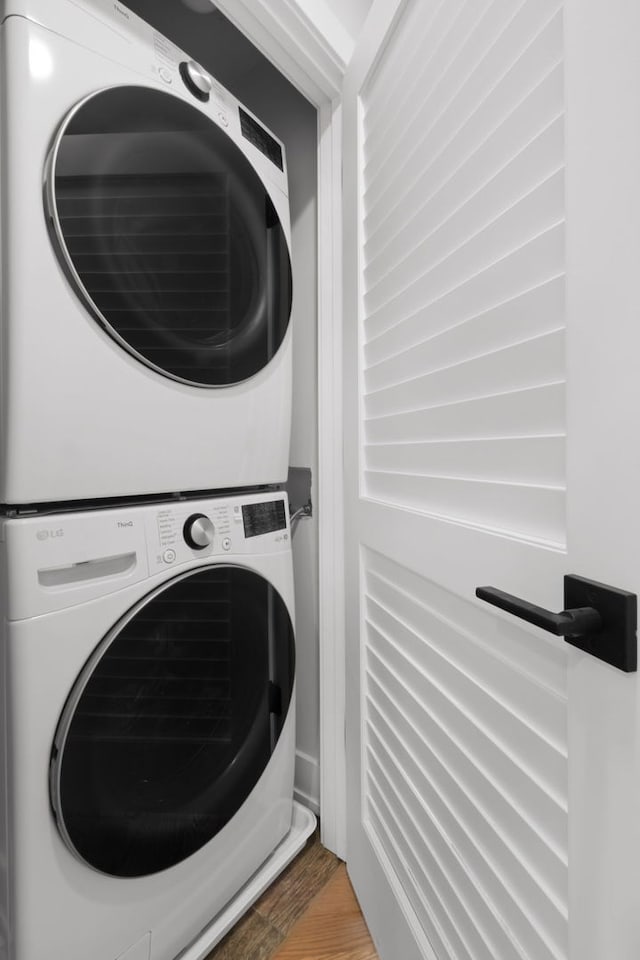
(146, 270)
(147, 745)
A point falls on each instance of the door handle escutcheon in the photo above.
(599, 619)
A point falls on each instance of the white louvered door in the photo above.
(492, 248)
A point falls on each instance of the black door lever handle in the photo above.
(580, 622)
(599, 619)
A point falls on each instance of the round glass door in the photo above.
(172, 721)
(169, 236)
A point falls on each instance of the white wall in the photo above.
(210, 39)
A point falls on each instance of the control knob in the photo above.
(196, 79)
(198, 531)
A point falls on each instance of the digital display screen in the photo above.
(259, 137)
(259, 518)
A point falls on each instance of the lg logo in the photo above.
(125, 523)
(49, 534)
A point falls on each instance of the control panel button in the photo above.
(196, 79)
(165, 74)
(226, 544)
(169, 556)
(198, 531)
(223, 119)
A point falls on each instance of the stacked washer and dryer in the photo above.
(147, 648)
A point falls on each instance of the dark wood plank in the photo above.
(286, 900)
(252, 938)
(263, 928)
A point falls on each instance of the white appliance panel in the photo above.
(82, 418)
(80, 910)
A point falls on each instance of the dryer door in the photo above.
(172, 721)
(169, 236)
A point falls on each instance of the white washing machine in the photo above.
(146, 273)
(147, 662)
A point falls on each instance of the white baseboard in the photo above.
(307, 802)
(307, 781)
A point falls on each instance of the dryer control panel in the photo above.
(112, 28)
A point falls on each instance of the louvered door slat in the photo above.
(427, 96)
(499, 88)
(461, 59)
(515, 460)
(466, 164)
(463, 302)
(427, 30)
(528, 412)
(542, 665)
(425, 896)
(487, 890)
(521, 270)
(469, 911)
(495, 862)
(463, 83)
(427, 862)
(534, 513)
(526, 798)
(444, 749)
(471, 160)
(543, 712)
(535, 766)
(480, 737)
(434, 234)
(534, 312)
(467, 256)
(532, 363)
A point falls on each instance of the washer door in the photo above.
(169, 236)
(172, 721)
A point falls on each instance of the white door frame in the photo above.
(314, 62)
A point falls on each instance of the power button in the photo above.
(165, 74)
(169, 556)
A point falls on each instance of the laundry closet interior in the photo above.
(318, 387)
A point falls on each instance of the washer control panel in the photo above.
(52, 561)
(198, 531)
(196, 79)
(265, 517)
(180, 532)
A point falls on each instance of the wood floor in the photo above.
(309, 913)
(332, 927)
